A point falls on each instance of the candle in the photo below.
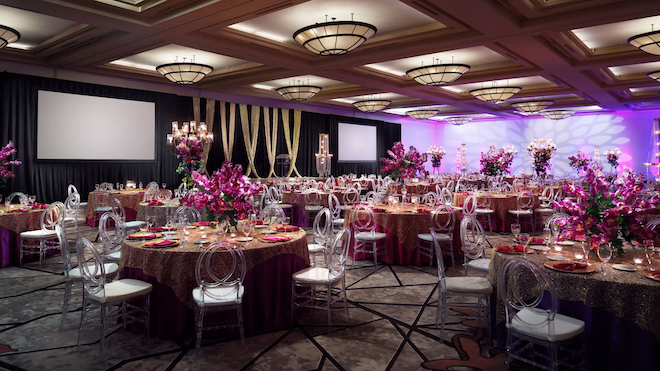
(203, 237)
(637, 260)
(579, 256)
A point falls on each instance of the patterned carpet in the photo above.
(391, 327)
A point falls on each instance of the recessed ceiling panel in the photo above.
(635, 68)
(615, 34)
(298, 80)
(645, 90)
(386, 15)
(149, 60)
(523, 82)
(403, 110)
(475, 116)
(475, 56)
(387, 96)
(34, 28)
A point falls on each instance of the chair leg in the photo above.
(375, 252)
(293, 303)
(239, 311)
(67, 302)
(82, 320)
(343, 290)
(443, 319)
(148, 315)
(507, 360)
(103, 325)
(200, 325)
(327, 305)
(553, 355)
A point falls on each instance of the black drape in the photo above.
(48, 180)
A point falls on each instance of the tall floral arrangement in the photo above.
(497, 161)
(5, 163)
(612, 156)
(402, 164)
(541, 152)
(189, 152)
(607, 214)
(437, 153)
(579, 161)
(226, 193)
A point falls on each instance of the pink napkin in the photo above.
(289, 228)
(514, 248)
(18, 210)
(377, 209)
(537, 241)
(155, 203)
(569, 267)
(204, 224)
(161, 243)
(275, 239)
(160, 229)
(423, 210)
(139, 236)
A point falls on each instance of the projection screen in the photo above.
(83, 127)
(357, 143)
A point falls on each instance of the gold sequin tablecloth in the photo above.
(159, 211)
(501, 203)
(128, 199)
(627, 295)
(402, 228)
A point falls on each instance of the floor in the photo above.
(391, 327)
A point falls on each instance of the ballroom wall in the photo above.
(629, 131)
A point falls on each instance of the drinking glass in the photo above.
(287, 220)
(0, 199)
(151, 220)
(547, 236)
(585, 250)
(247, 227)
(164, 185)
(32, 199)
(515, 229)
(140, 185)
(96, 186)
(121, 187)
(524, 239)
(649, 250)
(117, 185)
(604, 253)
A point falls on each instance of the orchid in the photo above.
(5, 173)
(497, 162)
(437, 153)
(541, 152)
(227, 192)
(402, 164)
(579, 161)
(189, 151)
(613, 157)
(607, 213)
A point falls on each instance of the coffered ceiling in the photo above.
(574, 52)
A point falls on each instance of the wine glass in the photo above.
(247, 227)
(649, 250)
(604, 253)
(32, 199)
(547, 236)
(164, 185)
(515, 229)
(524, 239)
(286, 221)
(151, 220)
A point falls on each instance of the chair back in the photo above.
(334, 206)
(20, 196)
(461, 186)
(313, 197)
(93, 275)
(106, 186)
(470, 205)
(72, 189)
(220, 265)
(111, 232)
(442, 219)
(274, 195)
(338, 253)
(363, 219)
(439, 260)
(53, 216)
(438, 188)
(521, 285)
(64, 246)
(447, 196)
(153, 185)
(151, 194)
(484, 201)
(451, 185)
(189, 213)
(322, 227)
(431, 199)
(547, 196)
(506, 187)
(118, 209)
(558, 196)
(473, 239)
(71, 205)
(421, 188)
(272, 214)
(371, 196)
(525, 201)
(182, 190)
(164, 193)
(351, 196)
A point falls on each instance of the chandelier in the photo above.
(334, 38)
(184, 73)
(557, 114)
(437, 74)
(532, 106)
(648, 42)
(495, 94)
(458, 120)
(655, 75)
(298, 93)
(8, 35)
(371, 105)
(422, 114)
(189, 131)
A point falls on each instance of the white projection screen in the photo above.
(357, 143)
(83, 127)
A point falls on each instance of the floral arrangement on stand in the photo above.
(437, 153)
(612, 156)
(541, 152)
(226, 194)
(497, 161)
(607, 215)
(189, 152)
(5, 173)
(404, 165)
(579, 161)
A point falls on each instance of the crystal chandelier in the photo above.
(298, 93)
(371, 105)
(8, 35)
(495, 94)
(422, 114)
(458, 120)
(648, 42)
(184, 73)
(334, 38)
(557, 114)
(189, 130)
(437, 74)
(532, 106)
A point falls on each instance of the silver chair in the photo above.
(473, 241)
(363, 224)
(442, 222)
(335, 212)
(71, 206)
(322, 229)
(41, 240)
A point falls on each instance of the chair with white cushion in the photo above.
(318, 284)
(473, 241)
(461, 287)
(118, 209)
(112, 234)
(275, 196)
(442, 222)
(220, 272)
(74, 275)
(101, 204)
(71, 189)
(485, 207)
(312, 203)
(363, 225)
(322, 229)
(545, 208)
(521, 285)
(524, 207)
(111, 298)
(335, 212)
(41, 240)
(71, 206)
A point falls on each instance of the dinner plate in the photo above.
(529, 251)
(624, 267)
(558, 258)
(244, 239)
(268, 231)
(539, 247)
(565, 243)
(652, 276)
(174, 243)
(145, 235)
(258, 226)
(266, 241)
(588, 269)
(202, 242)
(190, 226)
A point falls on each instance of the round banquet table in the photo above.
(297, 199)
(619, 309)
(402, 228)
(267, 298)
(501, 203)
(12, 223)
(160, 211)
(129, 199)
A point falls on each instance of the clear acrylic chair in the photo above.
(112, 234)
(182, 190)
(316, 287)
(74, 275)
(322, 229)
(275, 196)
(335, 212)
(111, 298)
(431, 199)
(71, 206)
(101, 204)
(545, 208)
(524, 208)
(447, 197)
(485, 207)
(470, 206)
(118, 209)
(473, 242)
(153, 185)
(351, 196)
(442, 222)
(19, 197)
(151, 194)
(272, 214)
(312, 203)
(521, 285)
(220, 272)
(363, 224)
(461, 287)
(41, 240)
(187, 213)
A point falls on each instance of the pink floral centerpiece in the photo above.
(404, 165)
(437, 153)
(607, 214)
(5, 173)
(497, 161)
(225, 194)
(189, 152)
(612, 156)
(579, 161)
(541, 152)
